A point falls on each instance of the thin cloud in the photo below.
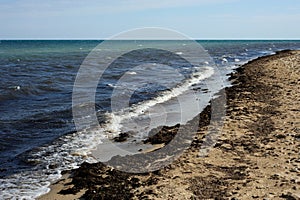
(89, 7)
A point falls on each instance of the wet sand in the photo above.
(257, 155)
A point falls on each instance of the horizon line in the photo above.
(149, 39)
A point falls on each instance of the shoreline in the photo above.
(245, 163)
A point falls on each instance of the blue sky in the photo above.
(201, 19)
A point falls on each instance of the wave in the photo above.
(69, 151)
(114, 125)
(22, 91)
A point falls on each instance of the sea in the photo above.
(38, 134)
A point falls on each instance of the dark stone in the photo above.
(123, 136)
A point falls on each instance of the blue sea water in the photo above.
(38, 138)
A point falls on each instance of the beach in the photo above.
(256, 155)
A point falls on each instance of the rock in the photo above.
(123, 136)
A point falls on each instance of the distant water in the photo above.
(38, 138)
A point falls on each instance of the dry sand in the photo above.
(256, 157)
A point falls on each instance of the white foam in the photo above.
(67, 153)
(224, 60)
(131, 73)
(115, 123)
(26, 185)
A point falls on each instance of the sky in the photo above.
(199, 19)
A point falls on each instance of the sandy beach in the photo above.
(256, 157)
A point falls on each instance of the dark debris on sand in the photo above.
(162, 135)
(104, 182)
